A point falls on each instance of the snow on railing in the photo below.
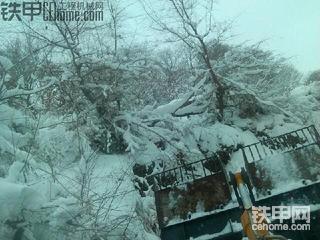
(187, 172)
(281, 144)
(287, 142)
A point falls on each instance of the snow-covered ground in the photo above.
(54, 192)
(54, 186)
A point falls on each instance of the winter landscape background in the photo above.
(89, 110)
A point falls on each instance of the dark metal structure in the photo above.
(182, 191)
(202, 181)
(287, 142)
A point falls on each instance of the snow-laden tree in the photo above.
(261, 70)
(193, 23)
(18, 74)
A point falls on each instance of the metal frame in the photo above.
(215, 222)
(186, 173)
(280, 144)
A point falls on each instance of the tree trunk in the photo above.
(220, 90)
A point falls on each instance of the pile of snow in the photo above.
(16, 200)
(15, 136)
(5, 63)
(59, 146)
(67, 184)
(304, 102)
(17, 197)
(231, 227)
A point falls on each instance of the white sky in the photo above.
(292, 27)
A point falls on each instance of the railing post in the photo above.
(247, 168)
(316, 133)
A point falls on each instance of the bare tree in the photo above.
(7, 92)
(116, 15)
(182, 23)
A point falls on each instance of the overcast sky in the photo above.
(291, 27)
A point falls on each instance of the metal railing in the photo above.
(280, 144)
(287, 142)
(187, 172)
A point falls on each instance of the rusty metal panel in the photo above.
(289, 170)
(180, 202)
(270, 164)
(283, 143)
(288, 161)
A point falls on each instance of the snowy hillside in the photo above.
(55, 186)
(92, 118)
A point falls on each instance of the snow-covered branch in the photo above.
(22, 92)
